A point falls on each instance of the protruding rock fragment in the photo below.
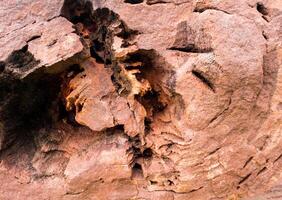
(96, 103)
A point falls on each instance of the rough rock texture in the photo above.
(141, 99)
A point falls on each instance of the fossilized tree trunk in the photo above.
(153, 99)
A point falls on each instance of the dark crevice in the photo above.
(52, 43)
(78, 11)
(265, 36)
(79, 108)
(95, 55)
(265, 18)
(214, 151)
(137, 171)
(147, 153)
(114, 130)
(191, 49)
(135, 149)
(136, 143)
(203, 79)
(33, 38)
(170, 183)
(147, 123)
(140, 154)
(67, 116)
(244, 179)
(153, 182)
(203, 9)
(248, 161)
(133, 1)
(194, 190)
(262, 170)
(261, 8)
(32, 104)
(2, 66)
(74, 70)
(185, 192)
(152, 2)
(120, 127)
(278, 158)
(21, 59)
(151, 102)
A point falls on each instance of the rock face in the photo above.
(133, 99)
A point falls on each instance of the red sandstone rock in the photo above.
(172, 99)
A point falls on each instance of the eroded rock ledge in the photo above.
(140, 99)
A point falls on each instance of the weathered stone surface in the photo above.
(50, 42)
(98, 164)
(153, 99)
(97, 105)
